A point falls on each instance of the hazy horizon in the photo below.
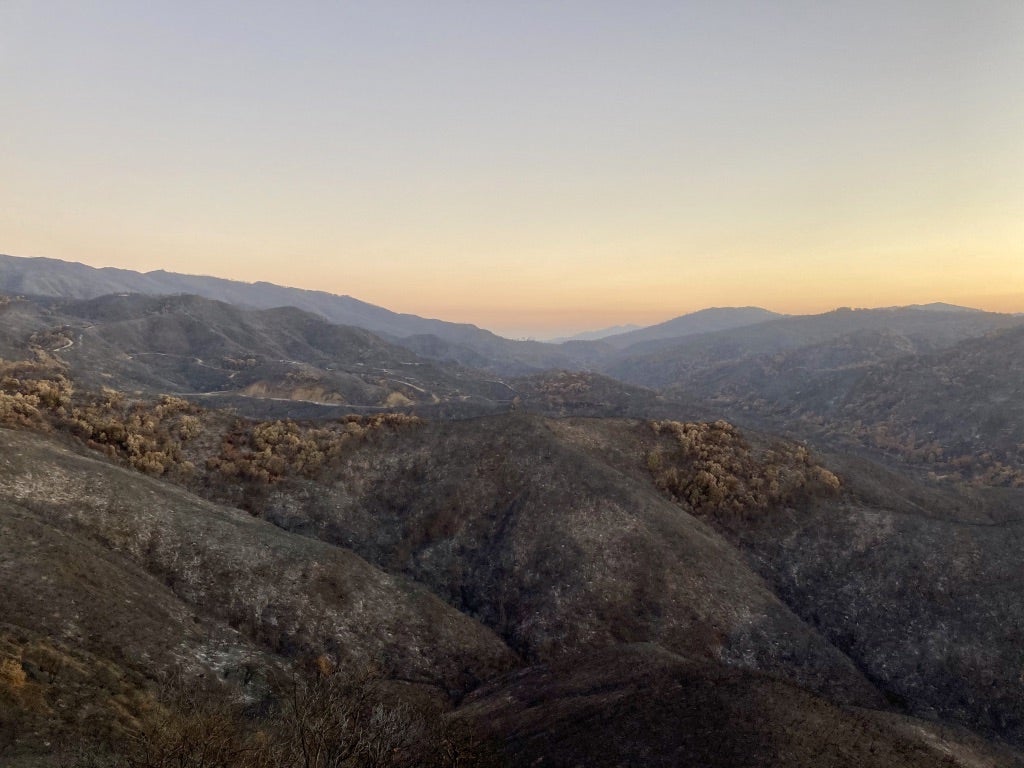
(571, 331)
(537, 169)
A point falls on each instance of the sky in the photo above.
(535, 168)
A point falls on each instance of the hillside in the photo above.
(702, 321)
(92, 642)
(605, 576)
(285, 362)
(656, 356)
(955, 412)
(639, 705)
(464, 508)
(662, 364)
(625, 560)
(923, 597)
(961, 410)
(575, 393)
(642, 548)
(319, 597)
(60, 279)
(70, 280)
(190, 345)
(119, 579)
(600, 333)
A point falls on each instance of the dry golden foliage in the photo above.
(31, 389)
(12, 676)
(155, 437)
(711, 467)
(270, 451)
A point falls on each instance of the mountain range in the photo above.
(736, 538)
(437, 339)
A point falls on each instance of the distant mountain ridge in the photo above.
(548, 574)
(941, 306)
(702, 321)
(71, 280)
(189, 345)
(664, 363)
(597, 335)
(460, 343)
(643, 356)
(956, 410)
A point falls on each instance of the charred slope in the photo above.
(556, 534)
(961, 409)
(103, 545)
(82, 630)
(787, 378)
(671, 363)
(565, 537)
(19, 319)
(640, 705)
(186, 344)
(487, 351)
(574, 393)
(923, 593)
(512, 521)
(958, 411)
(916, 583)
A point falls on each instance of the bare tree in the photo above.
(319, 719)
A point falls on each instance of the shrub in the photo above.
(711, 468)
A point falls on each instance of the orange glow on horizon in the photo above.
(511, 306)
(623, 167)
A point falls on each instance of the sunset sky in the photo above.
(536, 167)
